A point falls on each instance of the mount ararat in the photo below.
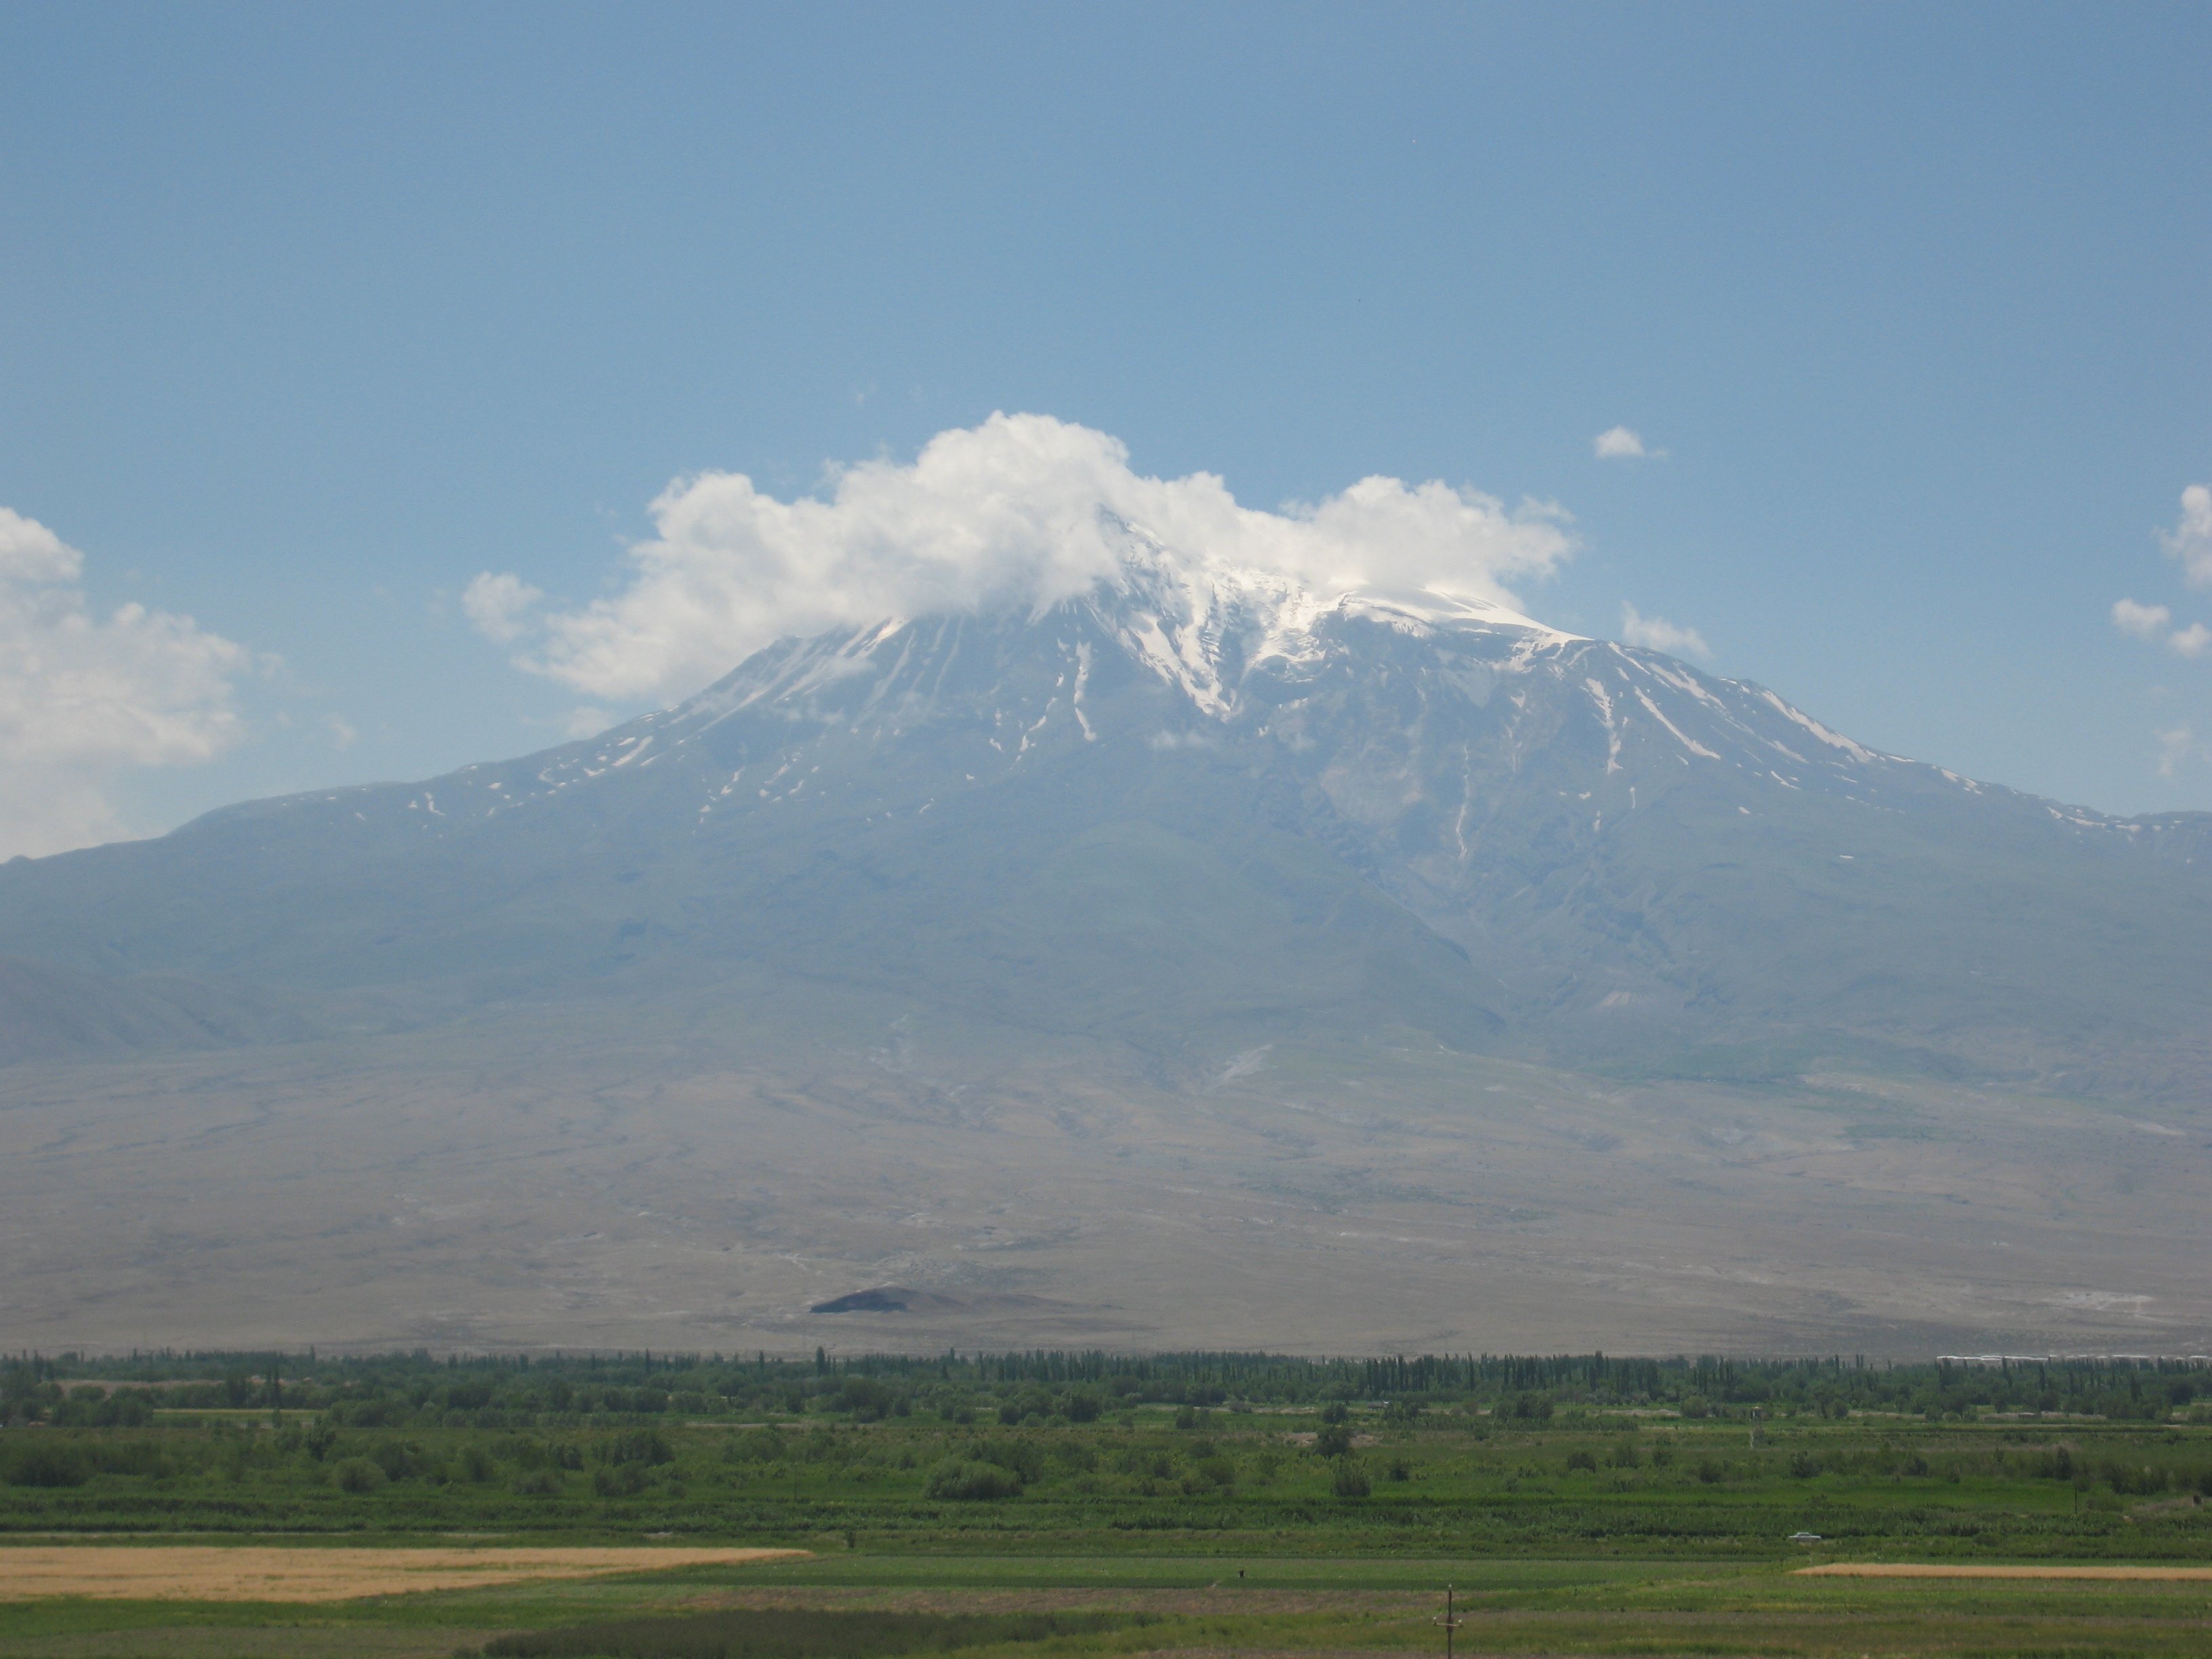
(1123, 920)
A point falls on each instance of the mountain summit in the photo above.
(1193, 810)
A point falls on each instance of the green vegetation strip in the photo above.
(1250, 1502)
(796, 1633)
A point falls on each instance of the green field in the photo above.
(1207, 1502)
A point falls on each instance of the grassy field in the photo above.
(1570, 1519)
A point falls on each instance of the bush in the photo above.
(358, 1475)
(1021, 1458)
(47, 1466)
(640, 1446)
(754, 1446)
(1351, 1481)
(1335, 1440)
(1583, 1459)
(623, 1480)
(865, 1398)
(538, 1482)
(972, 1482)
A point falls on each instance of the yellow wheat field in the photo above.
(1937, 1569)
(253, 1573)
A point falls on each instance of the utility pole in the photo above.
(1451, 1621)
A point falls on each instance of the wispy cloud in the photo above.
(1020, 509)
(2188, 544)
(84, 698)
(2145, 622)
(2177, 747)
(499, 605)
(1622, 443)
(2190, 541)
(1657, 633)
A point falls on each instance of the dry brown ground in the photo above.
(1940, 1570)
(567, 1178)
(204, 1573)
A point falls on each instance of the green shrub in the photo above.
(357, 1475)
(623, 1480)
(971, 1482)
(640, 1446)
(47, 1466)
(1351, 1481)
(1023, 1459)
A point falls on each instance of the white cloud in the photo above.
(499, 605)
(343, 735)
(1657, 633)
(1624, 443)
(2190, 541)
(2177, 748)
(586, 722)
(2190, 641)
(83, 698)
(1018, 510)
(2145, 622)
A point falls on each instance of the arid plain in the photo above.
(557, 1178)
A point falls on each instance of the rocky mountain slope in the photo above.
(1194, 811)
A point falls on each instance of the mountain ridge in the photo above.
(1359, 807)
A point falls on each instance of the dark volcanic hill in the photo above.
(1194, 813)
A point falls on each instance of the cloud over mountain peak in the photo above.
(1018, 510)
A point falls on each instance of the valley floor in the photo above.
(555, 1179)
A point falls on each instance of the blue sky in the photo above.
(309, 315)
